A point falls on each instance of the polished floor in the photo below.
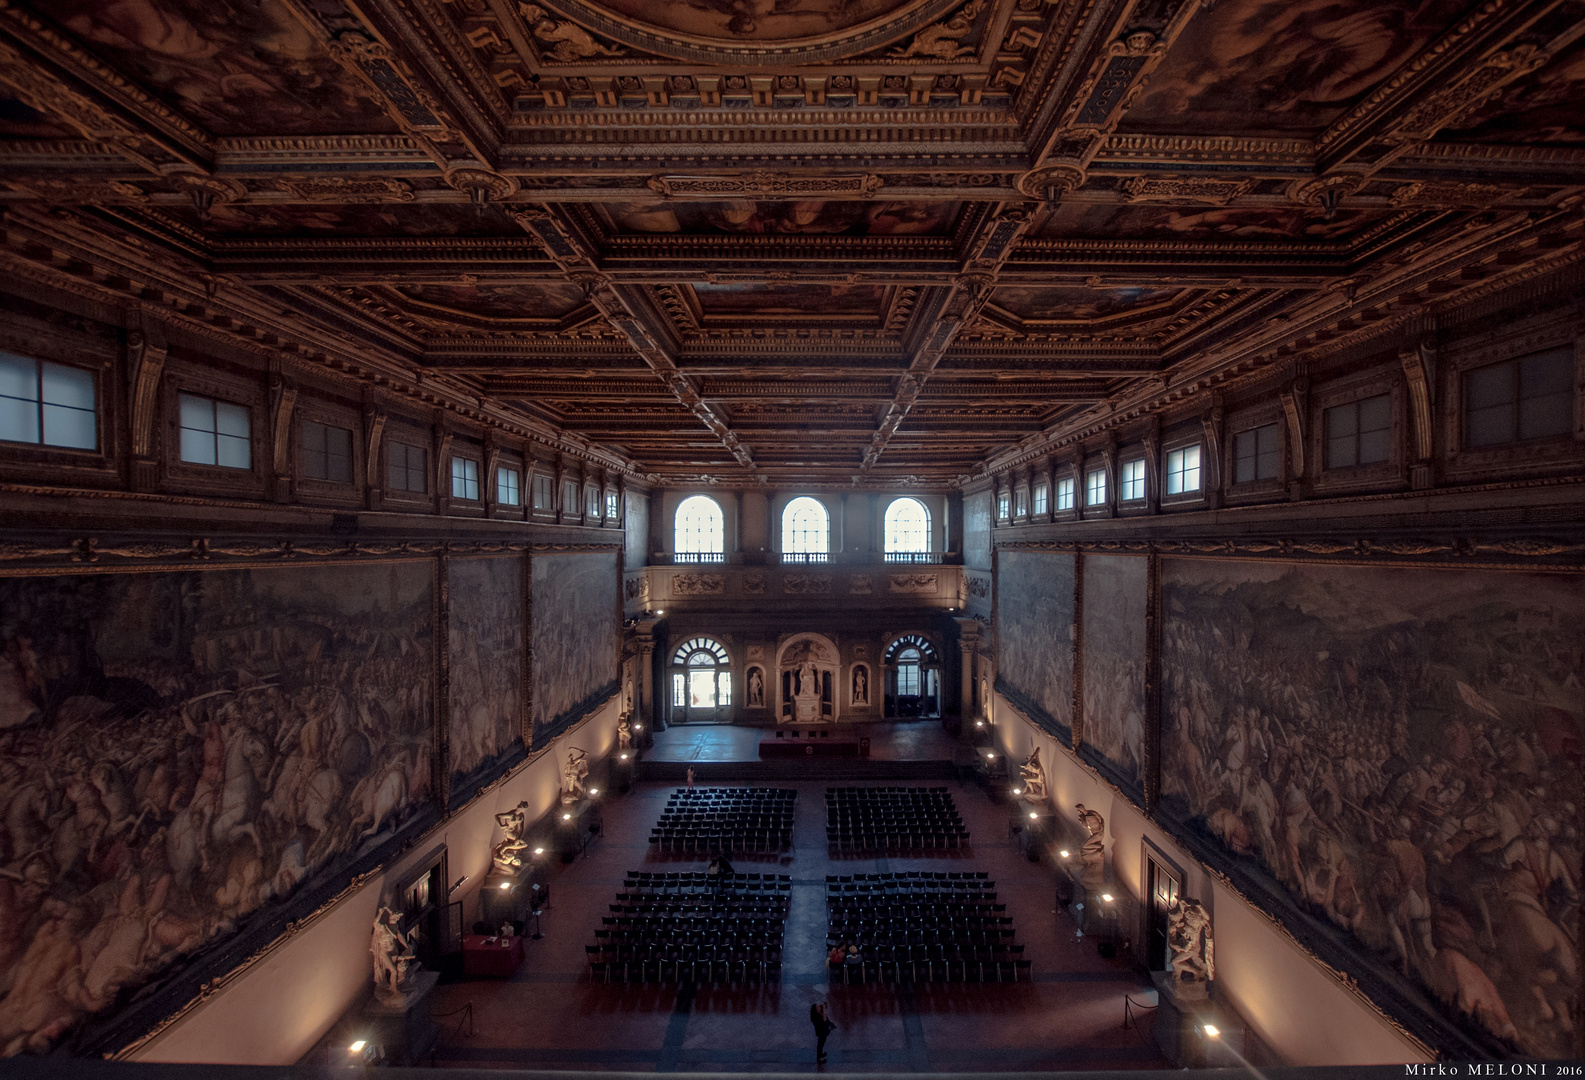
(920, 740)
(550, 1015)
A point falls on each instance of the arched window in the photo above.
(805, 531)
(913, 678)
(701, 680)
(907, 530)
(701, 530)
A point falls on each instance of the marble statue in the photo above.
(506, 858)
(808, 681)
(756, 688)
(1034, 777)
(861, 687)
(394, 959)
(573, 774)
(1193, 952)
(1092, 856)
(624, 734)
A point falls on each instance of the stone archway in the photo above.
(807, 668)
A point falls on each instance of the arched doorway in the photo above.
(701, 682)
(808, 670)
(913, 678)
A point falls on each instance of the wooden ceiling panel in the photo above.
(813, 240)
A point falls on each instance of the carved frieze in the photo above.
(796, 584)
(766, 185)
(698, 585)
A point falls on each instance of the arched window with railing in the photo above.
(700, 531)
(913, 678)
(701, 681)
(805, 531)
(907, 531)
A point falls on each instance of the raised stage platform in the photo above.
(907, 750)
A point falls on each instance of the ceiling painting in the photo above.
(1077, 303)
(747, 32)
(1548, 107)
(233, 69)
(1092, 221)
(801, 218)
(349, 220)
(781, 301)
(537, 303)
(1283, 67)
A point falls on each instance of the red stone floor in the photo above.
(550, 1015)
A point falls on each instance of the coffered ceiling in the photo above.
(811, 241)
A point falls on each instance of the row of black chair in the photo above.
(693, 926)
(921, 925)
(892, 818)
(726, 820)
(935, 963)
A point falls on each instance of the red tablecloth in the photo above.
(491, 955)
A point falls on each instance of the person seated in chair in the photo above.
(836, 956)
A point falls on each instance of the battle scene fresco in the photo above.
(1076, 303)
(181, 753)
(1115, 599)
(1282, 67)
(1543, 108)
(809, 217)
(539, 302)
(251, 69)
(1099, 221)
(484, 716)
(784, 300)
(576, 635)
(1401, 750)
(1034, 630)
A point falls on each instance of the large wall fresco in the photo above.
(1398, 751)
(1034, 631)
(1115, 600)
(183, 755)
(576, 635)
(484, 718)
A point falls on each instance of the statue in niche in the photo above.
(756, 688)
(1034, 777)
(395, 963)
(1092, 856)
(506, 858)
(624, 734)
(1193, 952)
(861, 686)
(808, 681)
(573, 775)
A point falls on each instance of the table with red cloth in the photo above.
(498, 956)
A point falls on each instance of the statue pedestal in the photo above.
(806, 710)
(402, 1025)
(1184, 1010)
(498, 905)
(572, 822)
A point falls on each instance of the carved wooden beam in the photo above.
(622, 310)
(987, 251)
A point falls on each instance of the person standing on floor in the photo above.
(690, 778)
(823, 1028)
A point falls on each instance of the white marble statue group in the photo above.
(395, 962)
